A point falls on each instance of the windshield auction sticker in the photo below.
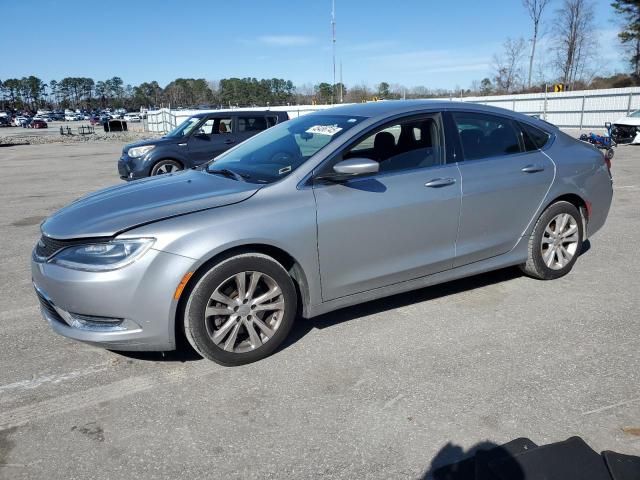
(324, 129)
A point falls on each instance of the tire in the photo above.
(166, 166)
(552, 254)
(230, 318)
(609, 154)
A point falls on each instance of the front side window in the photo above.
(185, 128)
(278, 151)
(415, 143)
(222, 125)
(485, 136)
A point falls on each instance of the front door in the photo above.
(393, 226)
(213, 137)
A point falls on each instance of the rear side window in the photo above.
(484, 136)
(252, 123)
(534, 138)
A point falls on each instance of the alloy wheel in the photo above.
(244, 311)
(166, 168)
(560, 241)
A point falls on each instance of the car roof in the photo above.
(239, 112)
(387, 108)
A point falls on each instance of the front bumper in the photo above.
(623, 134)
(132, 168)
(127, 309)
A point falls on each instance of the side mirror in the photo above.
(354, 167)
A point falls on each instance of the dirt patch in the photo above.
(27, 221)
(6, 444)
(92, 430)
(120, 137)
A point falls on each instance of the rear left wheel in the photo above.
(555, 243)
(241, 310)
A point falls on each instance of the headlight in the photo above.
(140, 151)
(103, 257)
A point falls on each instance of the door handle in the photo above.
(182, 144)
(533, 168)
(228, 141)
(440, 182)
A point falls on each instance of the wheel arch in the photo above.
(290, 264)
(576, 200)
(162, 159)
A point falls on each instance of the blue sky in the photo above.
(412, 42)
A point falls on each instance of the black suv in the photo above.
(195, 141)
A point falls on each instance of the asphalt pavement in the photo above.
(388, 389)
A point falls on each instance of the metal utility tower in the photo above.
(333, 45)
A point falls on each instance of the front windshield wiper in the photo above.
(230, 174)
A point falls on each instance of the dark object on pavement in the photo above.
(115, 126)
(571, 459)
(495, 455)
(521, 459)
(622, 467)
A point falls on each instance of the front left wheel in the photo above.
(241, 310)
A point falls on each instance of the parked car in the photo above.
(95, 120)
(328, 210)
(194, 142)
(627, 129)
(132, 117)
(38, 123)
(70, 117)
(20, 121)
(5, 121)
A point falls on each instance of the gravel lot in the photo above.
(384, 390)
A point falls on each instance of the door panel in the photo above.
(500, 195)
(385, 229)
(216, 137)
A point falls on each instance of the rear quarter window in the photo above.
(533, 137)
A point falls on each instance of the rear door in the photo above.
(214, 136)
(504, 181)
(250, 124)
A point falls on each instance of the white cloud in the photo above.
(285, 40)
(433, 61)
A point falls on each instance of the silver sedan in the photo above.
(324, 211)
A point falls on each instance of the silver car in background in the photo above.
(327, 210)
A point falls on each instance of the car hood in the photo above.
(116, 209)
(630, 121)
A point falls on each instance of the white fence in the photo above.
(579, 109)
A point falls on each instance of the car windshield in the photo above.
(635, 114)
(185, 128)
(279, 150)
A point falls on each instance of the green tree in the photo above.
(486, 87)
(323, 92)
(629, 11)
(383, 90)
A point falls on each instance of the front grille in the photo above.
(48, 307)
(48, 246)
(624, 133)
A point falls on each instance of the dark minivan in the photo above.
(195, 141)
